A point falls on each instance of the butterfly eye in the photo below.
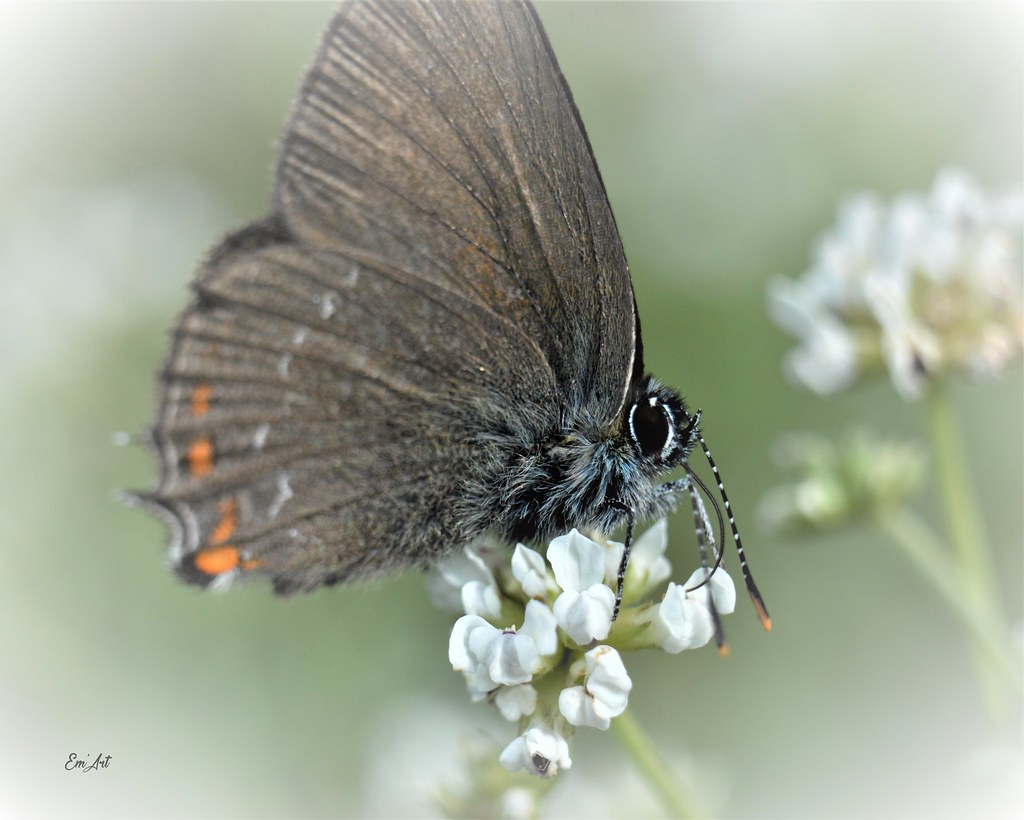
(650, 426)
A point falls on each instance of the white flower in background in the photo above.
(604, 693)
(547, 674)
(826, 361)
(927, 285)
(518, 803)
(539, 750)
(465, 583)
(856, 477)
(584, 609)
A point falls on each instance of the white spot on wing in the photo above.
(222, 581)
(327, 304)
(190, 524)
(282, 365)
(284, 492)
(169, 454)
(260, 436)
(300, 336)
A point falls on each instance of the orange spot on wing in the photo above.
(216, 560)
(200, 457)
(228, 523)
(201, 396)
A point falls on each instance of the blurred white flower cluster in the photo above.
(840, 481)
(926, 285)
(537, 637)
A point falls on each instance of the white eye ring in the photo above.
(670, 435)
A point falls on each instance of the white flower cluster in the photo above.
(537, 637)
(839, 481)
(926, 285)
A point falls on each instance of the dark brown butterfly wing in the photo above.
(441, 279)
(443, 136)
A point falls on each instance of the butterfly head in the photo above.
(659, 426)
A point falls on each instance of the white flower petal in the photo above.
(604, 693)
(463, 647)
(518, 803)
(649, 553)
(722, 588)
(513, 658)
(514, 756)
(480, 594)
(586, 616)
(539, 750)
(793, 304)
(578, 562)
(539, 624)
(648, 565)
(955, 197)
(465, 582)
(443, 593)
(607, 681)
(826, 362)
(530, 569)
(480, 598)
(470, 649)
(612, 559)
(681, 623)
(859, 221)
(516, 701)
(479, 684)
(447, 578)
(480, 639)
(577, 707)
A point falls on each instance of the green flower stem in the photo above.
(974, 558)
(964, 520)
(924, 551)
(632, 630)
(638, 744)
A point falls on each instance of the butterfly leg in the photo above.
(705, 538)
(627, 544)
(674, 488)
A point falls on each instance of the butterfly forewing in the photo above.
(442, 136)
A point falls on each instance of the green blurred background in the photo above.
(134, 135)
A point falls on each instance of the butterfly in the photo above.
(431, 336)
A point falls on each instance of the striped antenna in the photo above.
(748, 579)
(705, 537)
